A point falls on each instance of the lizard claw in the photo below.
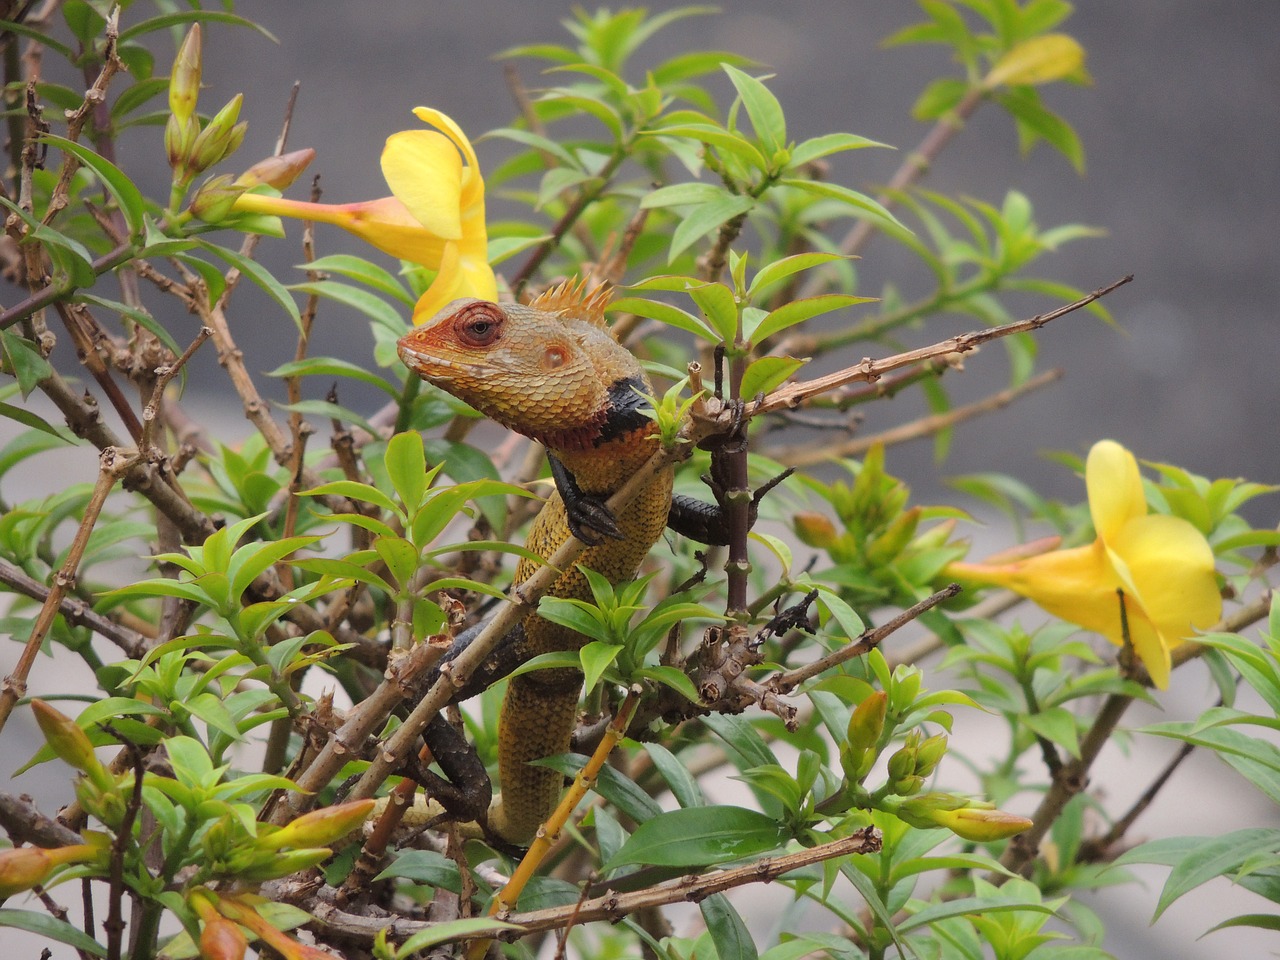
(591, 521)
(588, 518)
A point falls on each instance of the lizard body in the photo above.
(553, 372)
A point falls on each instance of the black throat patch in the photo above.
(626, 410)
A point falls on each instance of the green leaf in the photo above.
(468, 927)
(662, 312)
(51, 928)
(852, 198)
(424, 866)
(767, 374)
(705, 218)
(141, 317)
(786, 267)
(717, 304)
(353, 490)
(730, 935)
(126, 195)
(797, 311)
(596, 658)
(682, 194)
(762, 107)
(371, 305)
(190, 16)
(1215, 857)
(682, 783)
(672, 677)
(728, 142)
(260, 276)
(23, 361)
(1057, 725)
(331, 411)
(407, 466)
(828, 144)
(27, 418)
(332, 367)
(699, 836)
(359, 269)
(401, 559)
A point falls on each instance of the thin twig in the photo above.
(113, 464)
(804, 455)
(864, 643)
(869, 370)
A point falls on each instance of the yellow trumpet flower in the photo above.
(434, 217)
(1162, 565)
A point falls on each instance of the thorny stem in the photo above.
(613, 906)
(869, 370)
(113, 465)
(865, 642)
(806, 455)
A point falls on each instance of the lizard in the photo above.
(552, 371)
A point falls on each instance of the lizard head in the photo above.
(541, 373)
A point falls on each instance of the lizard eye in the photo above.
(479, 325)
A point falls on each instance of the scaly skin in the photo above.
(550, 371)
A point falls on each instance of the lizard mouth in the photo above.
(431, 366)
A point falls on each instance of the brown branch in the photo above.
(869, 370)
(867, 641)
(611, 906)
(76, 611)
(114, 463)
(803, 455)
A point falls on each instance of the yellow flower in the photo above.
(1163, 566)
(434, 217)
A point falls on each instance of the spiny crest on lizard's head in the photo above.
(549, 369)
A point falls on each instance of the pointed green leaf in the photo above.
(700, 836)
(407, 467)
(705, 218)
(126, 195)
(762, 107)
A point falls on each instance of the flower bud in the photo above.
(215, 198)
(220, 939)
(271, 866)
(930, 753)
(980, 825)
(68, 741)
(319, 827)
(278, 172)
(243, 913)
(106, 806)
(886, 547)
(179, 137)
(902, 763)
(814, 529)
(184, 80)
(923, 811)
(23, 867)
(220, 137)
(859, 751)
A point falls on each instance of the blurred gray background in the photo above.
(1180, 131)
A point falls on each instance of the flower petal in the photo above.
(385, 223)
(444, 288)
(1115, 487)
(424, 171)
(1171, 567)
(1077, 585)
